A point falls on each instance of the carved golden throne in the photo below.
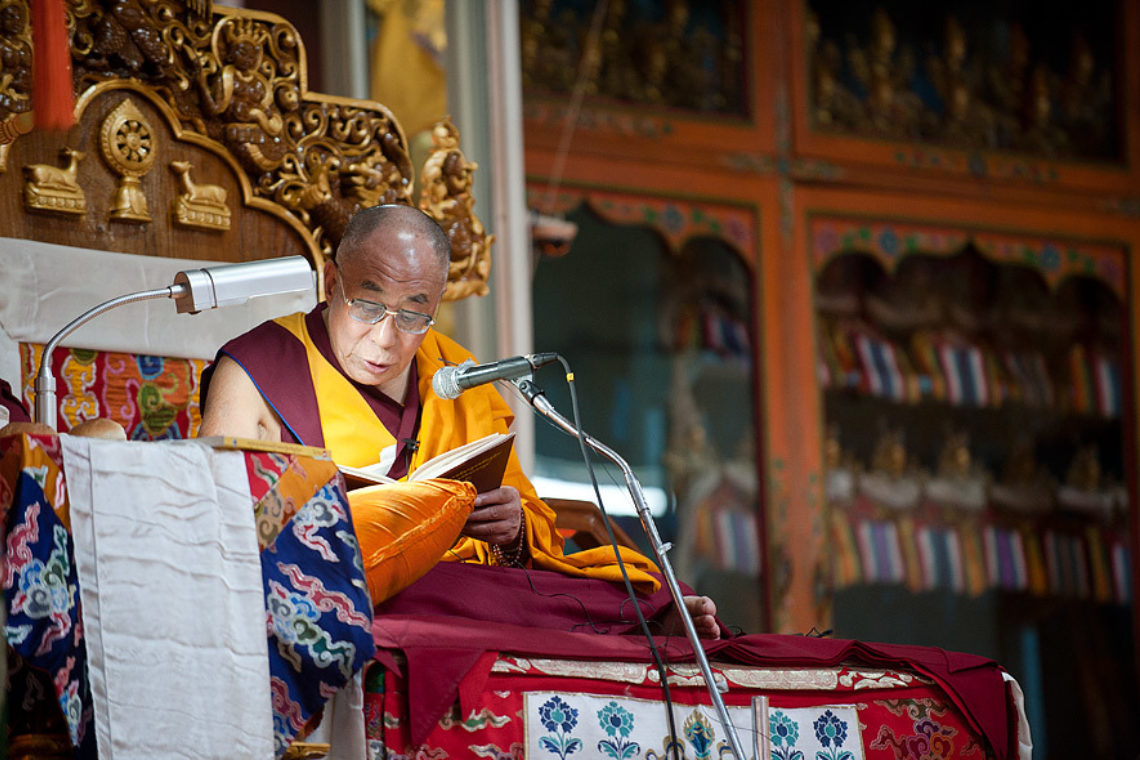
(196, 138)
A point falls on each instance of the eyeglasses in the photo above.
(370, 312)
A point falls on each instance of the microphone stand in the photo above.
(537, 399)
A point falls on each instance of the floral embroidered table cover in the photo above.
(551, 708)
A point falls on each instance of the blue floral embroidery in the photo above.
(831, 733)
(700, 735)
(318, 616)
(150, 367)
(783, 732)
(618, 723)
(559, 718)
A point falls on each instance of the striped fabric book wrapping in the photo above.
(724, 333)
(738, 546)
(885, 371)
(839, 364)
(1030, 377)
(908, 543)
(1121, 560)
(727, 531)
(940, 555)
(880, 551)
(928, 368)
(1035, 560)
(1082, 396)
(1002, 386)
(1106, 375)
(963, 374)
(1005, 559)
(847, 563)
(964, 369)
(1067, 562)
(973, 556)
(1099, 564)
(1094, 383)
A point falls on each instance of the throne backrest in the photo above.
(196, 140)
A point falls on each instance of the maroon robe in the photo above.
(444, 635)
(17, 412)
(265, 350)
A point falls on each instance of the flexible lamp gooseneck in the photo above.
(193, 290)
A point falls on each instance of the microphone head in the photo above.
(445, 382)
(541, 360)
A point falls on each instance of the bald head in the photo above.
(395, 220)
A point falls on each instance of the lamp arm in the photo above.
(45, 380)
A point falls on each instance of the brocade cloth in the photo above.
(316, 615)
(451, 623)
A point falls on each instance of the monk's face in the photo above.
(400, 270)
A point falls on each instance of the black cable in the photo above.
(675, 744)
(589, 621)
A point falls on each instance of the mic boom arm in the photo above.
(449, 382)
(537, 399)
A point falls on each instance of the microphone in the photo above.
(449, 382)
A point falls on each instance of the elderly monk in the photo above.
(370, 354)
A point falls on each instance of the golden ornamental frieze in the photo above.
(237, 80)
(784, 679)
(622, 672)
(879, 679)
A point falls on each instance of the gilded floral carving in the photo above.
(238, 80)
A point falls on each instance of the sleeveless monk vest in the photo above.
(353, 434)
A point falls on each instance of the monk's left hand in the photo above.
(497, 516)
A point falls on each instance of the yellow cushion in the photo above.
(405, 528)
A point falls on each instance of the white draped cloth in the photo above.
(45, 286)
(172, 602)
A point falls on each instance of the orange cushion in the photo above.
(405, 528)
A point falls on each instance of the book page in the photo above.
(437, 466)
(481, 462)
(358, 477)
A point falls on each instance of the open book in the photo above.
(481, 463)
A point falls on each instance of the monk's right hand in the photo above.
(497, 517)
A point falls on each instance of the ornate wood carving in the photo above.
(126, 141)
(15, 74)
(446, 195)
(996, 79)
(688, 54)
(237, 81)
(231, 83)
(54, 189)
(198, 205)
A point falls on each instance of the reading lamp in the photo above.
(193, 291)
